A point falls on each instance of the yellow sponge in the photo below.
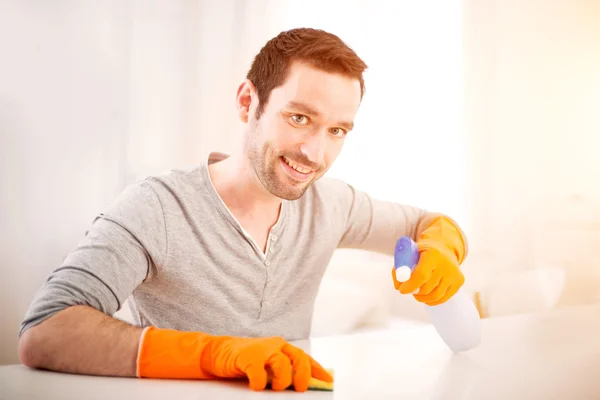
(313, 383)
(316, 384)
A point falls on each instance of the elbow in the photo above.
(29, 350)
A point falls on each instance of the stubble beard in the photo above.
(265, 161)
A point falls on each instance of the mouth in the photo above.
(295, 170)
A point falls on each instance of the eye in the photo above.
(338, 132)
(299, 119)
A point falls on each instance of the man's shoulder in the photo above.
(161, 189)
(172, 180)
(330, 192)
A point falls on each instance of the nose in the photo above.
(313, 148)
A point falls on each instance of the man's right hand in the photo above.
(165, 353)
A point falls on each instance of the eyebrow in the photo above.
(307, 109)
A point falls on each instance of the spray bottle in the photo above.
(456, 320)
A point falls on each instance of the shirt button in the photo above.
(267, 263)
(274, 238)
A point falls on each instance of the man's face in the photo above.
(301, 130)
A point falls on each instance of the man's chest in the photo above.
(231, 287)
(236, 265)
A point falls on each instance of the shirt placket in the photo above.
(269, 262)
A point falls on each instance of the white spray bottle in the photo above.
(456, 320)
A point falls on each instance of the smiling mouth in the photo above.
(299, 168)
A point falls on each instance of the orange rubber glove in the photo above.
(166, 353)
(437, 275)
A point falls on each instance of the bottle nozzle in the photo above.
(403, 273)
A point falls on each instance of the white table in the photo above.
(551, 356)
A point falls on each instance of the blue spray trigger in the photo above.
(406, 257)
(406, 253)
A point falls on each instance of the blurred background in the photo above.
(487, 110)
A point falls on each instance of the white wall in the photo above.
(532, 104)
(64, 115)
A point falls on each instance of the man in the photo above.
(223, 261)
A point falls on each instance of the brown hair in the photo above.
(321, 49)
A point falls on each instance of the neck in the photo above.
(241, 190)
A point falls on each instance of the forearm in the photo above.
(82, 340)
(376, 225)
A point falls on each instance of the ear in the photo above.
(246, 96)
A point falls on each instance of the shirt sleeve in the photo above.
(120, 250)
(375, 225)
